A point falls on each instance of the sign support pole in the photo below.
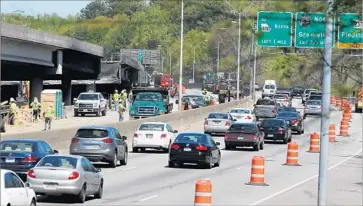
(324, 138)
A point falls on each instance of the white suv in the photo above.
(90, 103)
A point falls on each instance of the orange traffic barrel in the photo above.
(344, 126)
(332, 101)
(346, 117)
(332, 133)
(258, 171)
(292, 158)
(203, 193)
(314, 143)
(338, 103)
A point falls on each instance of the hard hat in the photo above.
(116, 90)
(12, 99)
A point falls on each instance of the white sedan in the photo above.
(14, 191)
(153, 135)
(243, 115)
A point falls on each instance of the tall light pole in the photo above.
(254, 64)
(217, 57)
(194, 65)
(181, 54)
(238, 54)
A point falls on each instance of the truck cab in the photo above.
(149, 102)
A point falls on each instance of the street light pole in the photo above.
(181, 54)
(254, 67)
(239, 54)
(193, 65)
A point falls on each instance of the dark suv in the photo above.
(297, 91)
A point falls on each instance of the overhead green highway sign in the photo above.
(350, 31)
(310, 30)
(274, 29)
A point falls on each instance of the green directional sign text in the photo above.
(274, 29)
(350, 31)
(310, 30)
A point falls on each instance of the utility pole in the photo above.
(218, 57)
(239, 55)
(181, 55)
(251, 66)
(193, 64)
(162, 64)
(324, 127)
(254, 62)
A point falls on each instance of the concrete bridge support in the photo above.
(36, 88)
(67, 91)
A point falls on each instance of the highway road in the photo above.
(147, 180)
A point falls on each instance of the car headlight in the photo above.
(95, 105)
(76, 105)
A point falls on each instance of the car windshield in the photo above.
(287, 114)
(58, 161)
(191, 139)
(155, 97)
(313, 102)
(244, 128)
(17, 146)
(92, 133)
(280, 96)
(241, 111)
(152, 127)
(217, 116)
(272, 123)
(88, 97)
(313, 97)
(309, 90)
(298, 88)
(194, 98)
(265, 102)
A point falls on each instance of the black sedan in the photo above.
(276, 130)
(194, 147)
(294, 119)
(22, 155)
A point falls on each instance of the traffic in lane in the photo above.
(147, 180)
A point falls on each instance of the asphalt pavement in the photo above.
(147, 180)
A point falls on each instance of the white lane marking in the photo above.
(148, 198)
(302, 182)
(130, 168)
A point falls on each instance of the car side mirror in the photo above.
(124, 138)
(98, 170)
(176, 101)
(175, 131)
(74, 99)
(55, 152)
(27, 184)
(218, 143)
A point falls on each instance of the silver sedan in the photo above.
(66, 175)
(217, 122)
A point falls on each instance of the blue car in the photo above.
(293, 119)
(20, 155)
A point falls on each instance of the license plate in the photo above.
(240, 138)
(270, 135)
(187, 149)
(81, 110)
(10, 160)
(91, 147)
(50, 187)
(149, 136)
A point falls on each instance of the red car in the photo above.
(244, 135)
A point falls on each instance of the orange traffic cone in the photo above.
(292, 154)
(344, 127)
(258, 172)
(203, 193)
(332, 133)
(314, 143)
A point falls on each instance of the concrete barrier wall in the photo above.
(60, 139)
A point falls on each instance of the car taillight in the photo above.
(294, 121)
(174, 146)
(225, 136)
(31, 173)
(228, 123)
(30, 159)
(75, 140)
(136, 135)
(281, 130)
(261, 128)
(107, 140)
(201, 148)
(206, 122)
(286, 100)
(248, 117)
(163, 136)
(254, 137)
(73, 176)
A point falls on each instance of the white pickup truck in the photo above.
(90, 103)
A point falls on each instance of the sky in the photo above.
(62, 8)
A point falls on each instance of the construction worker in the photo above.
(35, 105)
(124, 98)
(13, 111)
(206, 96)
(49, 115)
(121, 110)
(116, 99)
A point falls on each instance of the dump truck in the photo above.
(359, 102)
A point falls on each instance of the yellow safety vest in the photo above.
(121, 108)
(35, 105)
(116, 96)
(13, 107)
(49, 112)
(124, 96)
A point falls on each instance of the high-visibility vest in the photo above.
(49, 112)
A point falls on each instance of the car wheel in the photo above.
(33, 203)
(76, 114)
(299, 131)
(227, 147)
(209, 164)
(286, 140)
(219, 161)
(99, 193)
(135, 150)
(104, 112)
(256, 147)
(99, 112)
(82, 195)
(171, 164)
(113, 163)
(124, 160)
(262, 145)
(142, 149)
(82, 115)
